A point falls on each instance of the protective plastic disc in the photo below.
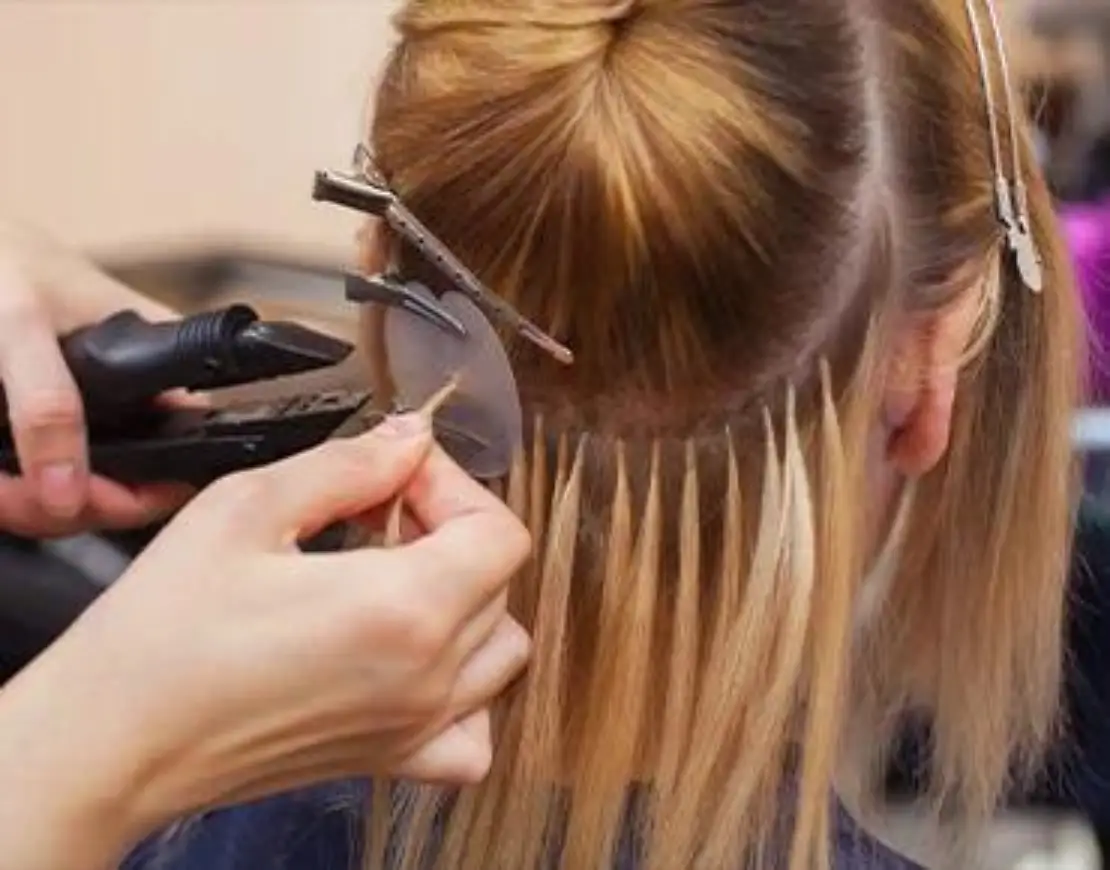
(485, 406)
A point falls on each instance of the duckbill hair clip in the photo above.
(432, 339)
(1011, 195)
(366, 191)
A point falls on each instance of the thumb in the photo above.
(297, 497)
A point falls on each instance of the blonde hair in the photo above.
(727, 209)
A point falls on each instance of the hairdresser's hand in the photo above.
(46, 291)
(226, 665)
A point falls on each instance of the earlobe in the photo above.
(916, 446)
(921, 389)
(920, 393)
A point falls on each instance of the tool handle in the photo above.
(122, 364)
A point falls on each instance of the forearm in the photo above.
(65, 790)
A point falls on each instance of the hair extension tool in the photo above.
(124, 364)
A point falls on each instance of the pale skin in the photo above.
(46, 291)
(921, 389)
(226, 665)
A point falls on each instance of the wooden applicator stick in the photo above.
(428, 410)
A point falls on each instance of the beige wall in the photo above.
(131, 123)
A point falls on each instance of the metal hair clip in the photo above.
(124, 363)
(1011, 196)
(393, 292)
(365, 190)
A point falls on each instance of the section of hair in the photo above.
(634, 184)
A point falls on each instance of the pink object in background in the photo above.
(1087, 231)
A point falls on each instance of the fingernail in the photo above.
(402, 426)
(59, 488)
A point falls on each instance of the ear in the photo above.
(921, 386)
(373, 247)
(373, 259)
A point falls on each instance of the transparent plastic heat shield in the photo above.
(485, 404)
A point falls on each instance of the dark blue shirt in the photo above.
(321, 829)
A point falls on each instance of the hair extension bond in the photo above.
(730, 210)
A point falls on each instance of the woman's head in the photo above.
(766, 229)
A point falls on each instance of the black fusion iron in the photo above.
(123, 364)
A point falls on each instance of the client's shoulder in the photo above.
(854, 848)
(312, 829)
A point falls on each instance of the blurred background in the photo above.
(136, 127)
(175, 141)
